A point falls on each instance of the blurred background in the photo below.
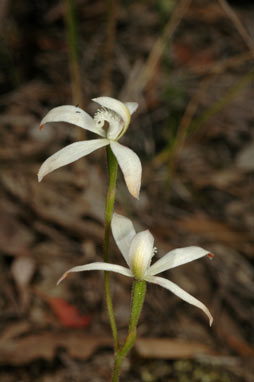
(189, 65)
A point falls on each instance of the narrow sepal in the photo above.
(74, 115)
(177, 257)
(98, 266)
(70, 154)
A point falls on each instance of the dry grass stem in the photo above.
(238, 24)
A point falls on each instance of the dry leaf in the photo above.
(44, 345)
(167, 348)
(78, 345)
(22, 271)
(245, 159)
(211, 229)
(68, 314)
(15, 238)
(228, 331)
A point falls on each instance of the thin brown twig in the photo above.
(72, 39)
(238, 24)
(112, 7)
(217, 68)
(190, 110)
(160, 44)
(222, 65)
(4, 5)
(189, 114)
(138, 83)
(76, 83)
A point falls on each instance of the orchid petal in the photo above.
(123, 233)
(74, 115)
(70, 154)
(172, 287)
(98, 266)
(130, 165)
(141, 252)
(175, 258)
(117, 106)
(132, 106)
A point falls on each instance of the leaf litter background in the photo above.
(189, 65)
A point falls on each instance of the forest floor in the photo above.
(194, 134)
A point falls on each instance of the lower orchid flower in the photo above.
(138, 250)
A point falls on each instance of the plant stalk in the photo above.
(138, 296)
(110, 200)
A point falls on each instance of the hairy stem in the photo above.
(138, 295)
(112, 171)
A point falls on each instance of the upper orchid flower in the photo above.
(117, 116)
(138, 250)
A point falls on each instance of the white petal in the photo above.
(172, 287)
(130, 165)
(132, 106)
(117, 106)
(177, 257)
(69, 154)
(75, 115)
(123, 232)
(141, 252)
(98, 267)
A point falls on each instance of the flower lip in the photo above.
(116, 106)
(115, 122)
(116, 113)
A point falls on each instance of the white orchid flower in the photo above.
(117, 116)
(138, 250)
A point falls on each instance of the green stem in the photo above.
(112, 170)
(138, 295)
